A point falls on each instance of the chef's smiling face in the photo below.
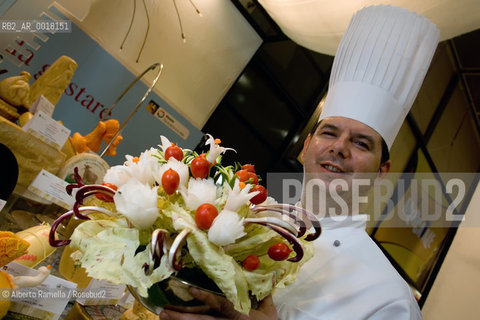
(342, 148)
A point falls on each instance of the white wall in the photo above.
(456, 289)
(197, 73)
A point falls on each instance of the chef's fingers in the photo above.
(266, 309)
(189, 309)
(218, 303)
(173, 315)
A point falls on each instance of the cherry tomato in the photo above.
(261, 196)
(249, 167)
(279, 251)
(251, 262)
(170, 181)
(200, 167)
(106, 197)
(174, 151)
(205, 215)
(244, 176)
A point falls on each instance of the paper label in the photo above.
(46, 129)
(45, 301)
(127, 300)
(108, 293)
(52, 188)
(44, 105)
(171, 122)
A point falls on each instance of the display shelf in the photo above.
(21, 214)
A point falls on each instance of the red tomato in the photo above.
(205, 215)
(200, 167)
(261, 196)
(251, 262)
(170, 181)
(279, 251)
(174, 151)
(106, 197)
(244, 175)
(249, 167)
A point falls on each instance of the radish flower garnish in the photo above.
(149, 155)
(150, 158)
(199, 191)
(165, 143)
(178, 166)
(143, 167)
(226, 228)
(238, 197)
(215, 149)
(140, 168)
(117, 175)
(137, 202)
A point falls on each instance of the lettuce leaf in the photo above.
(223, 265)
(256, 241)
(107, 252)
(218, 266)
(270, 274)
(106, 249)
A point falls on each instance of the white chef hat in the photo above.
(379, 67)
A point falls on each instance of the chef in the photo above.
(378, 69)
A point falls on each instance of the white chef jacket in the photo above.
(348, 278)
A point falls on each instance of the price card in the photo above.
(45, 301)
(44, 105)
(101, 292)
(46, 129)
(49, 186)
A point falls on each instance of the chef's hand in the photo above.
(220, 306)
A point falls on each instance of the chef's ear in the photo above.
(384, 169)
(305, 145)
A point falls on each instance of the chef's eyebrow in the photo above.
(328, 126)
(369, 138)
(334, 128)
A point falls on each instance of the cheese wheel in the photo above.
(90, 166)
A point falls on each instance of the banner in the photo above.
(97, 82)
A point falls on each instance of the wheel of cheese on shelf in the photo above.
(90, 166)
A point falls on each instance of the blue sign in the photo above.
(97, 82)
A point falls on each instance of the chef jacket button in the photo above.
(336, 243)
